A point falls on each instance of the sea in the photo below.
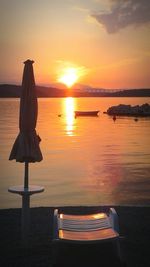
(88, 161)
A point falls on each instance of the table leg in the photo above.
(25, 217)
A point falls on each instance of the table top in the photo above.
(32, 189)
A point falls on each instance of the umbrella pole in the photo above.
(25, 217)
(26, 182)
(25, 207)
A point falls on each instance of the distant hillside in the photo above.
(9, 90)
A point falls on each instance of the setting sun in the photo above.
(69, 77)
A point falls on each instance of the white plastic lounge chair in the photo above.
(82, 230)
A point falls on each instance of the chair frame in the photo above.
(114, 225)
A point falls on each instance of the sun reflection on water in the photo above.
(69, 110)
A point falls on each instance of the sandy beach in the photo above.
(134, 229)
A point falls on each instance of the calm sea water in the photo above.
(87, 161)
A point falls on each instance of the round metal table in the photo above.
(32, 189)
(25, 193)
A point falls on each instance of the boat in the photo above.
(87, 113)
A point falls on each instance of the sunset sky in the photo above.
(107, 42)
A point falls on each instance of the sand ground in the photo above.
(134, 228)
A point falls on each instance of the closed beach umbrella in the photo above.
(26, 147)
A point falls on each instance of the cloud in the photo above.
(123, 14)
(82, 9)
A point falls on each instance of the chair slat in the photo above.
(88, 236)
(85, 223)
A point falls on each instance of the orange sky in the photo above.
(107, 41)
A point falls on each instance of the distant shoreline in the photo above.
(17, 97)
(14, 91)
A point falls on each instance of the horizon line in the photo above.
(88, 87)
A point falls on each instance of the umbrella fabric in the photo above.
(26, 147)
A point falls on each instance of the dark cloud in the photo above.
(124, 13)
